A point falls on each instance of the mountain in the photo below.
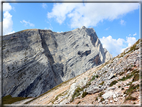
(115, 82)
(35, 60)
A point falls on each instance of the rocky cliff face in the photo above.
(115, 82)
(35, 60)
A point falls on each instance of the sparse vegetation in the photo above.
(96, 99)
(95, 76)
(121, 73)
(125, 78)
(113, 83)
(131, 89)
(136, 77)
(101, 83)
(9, 99)
(76, 93)
(102, 99)
(119, 86)
(61, 94)
(122, 88)
(84, 94)
(100, 95)
(79, 102)
(130, 98)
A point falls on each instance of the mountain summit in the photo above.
(36, 60)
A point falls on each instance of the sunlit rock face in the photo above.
(35, 60)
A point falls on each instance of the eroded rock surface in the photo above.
(35, 60)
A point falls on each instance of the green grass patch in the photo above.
(100, 94)
(95, 76)
(128, 76)
(113, 83)
(125, 78)
(131, 89)
(102, 99)
(121, 73)
(130, 98)
(96, 99)
(9, 99)
(76, 93)
(84, 94)
(136, 77)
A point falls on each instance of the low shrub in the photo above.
(76, 93)
(113, 83)
(9, 99)
(101, 83)
(102, 99)
(100, 95)
(136, 77)
(130, 98)
(84, 94)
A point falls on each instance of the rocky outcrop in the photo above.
(115, 82)
(35, 60)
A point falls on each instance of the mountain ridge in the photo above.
(35, 60)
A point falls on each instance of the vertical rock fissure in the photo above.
(45, 47)
(47, 52)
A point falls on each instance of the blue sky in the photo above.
(116, 25)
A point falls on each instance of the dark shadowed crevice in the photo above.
(45, 47)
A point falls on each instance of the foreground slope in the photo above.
(114, 82)
(35, 60)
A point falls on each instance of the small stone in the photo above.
(103, 102)
(106, 100)
(110, 101)
(114, 95)
(124, 95)
(99, 100)
(115, 100)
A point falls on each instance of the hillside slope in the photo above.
(114, 82)
(36, 60)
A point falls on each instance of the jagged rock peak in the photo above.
(83, 27)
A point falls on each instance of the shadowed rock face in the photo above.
(35, 60)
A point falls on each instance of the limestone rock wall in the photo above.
(35, 60)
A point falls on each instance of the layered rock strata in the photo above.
(35, 60)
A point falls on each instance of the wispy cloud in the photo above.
(81, 14)
(107, 28)
(27, 23)
(122, 22)
(44, 5)
(134, 34)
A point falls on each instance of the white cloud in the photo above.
(89, 14)
(44, 5)
(6, 7)
(122, 22)
(47, 28)
(7, 20)
(131, 40)
(7, 23)
(134, 34)
(116, 46)
(27, 23)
